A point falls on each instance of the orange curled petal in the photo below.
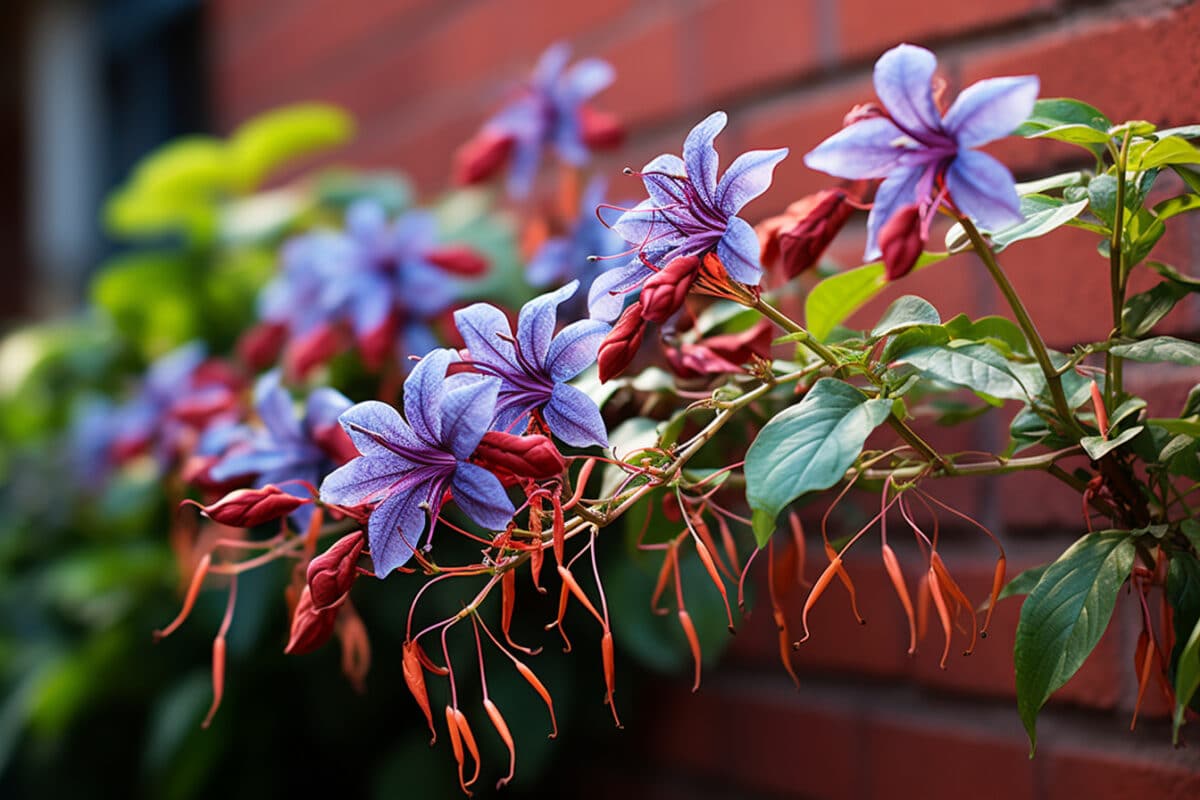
(939, 602)
(414, 678)
(922, 606)
(189, 600)
(218, 679)
(817, 590)
(502, 728)
(456, 745)
(949, 587)
(468, 738)
(997, 584)
(844, 577)
(508, 595)
(689, 630)
(707, 559)
(606, 653)
(540, 688)
(664, 574)
(569, 581)
(892, 565)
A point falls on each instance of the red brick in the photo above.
(866, 28)
(742, 48)
(761, 734)
(652, 80)
(1132, 66)
(1035, 501)
(1100, 773)
(947, 756)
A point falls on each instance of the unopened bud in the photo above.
(664, 291)
(901, 242)
(246, 508)
(377, 345)
(820, 217)
(622, 343)
(601, 130)
(260, 346)
(458, 260)
(507, 455)
(331, 574)
(311, 627)
(481, 157)
(315, 347)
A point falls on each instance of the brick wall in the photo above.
(869, 721)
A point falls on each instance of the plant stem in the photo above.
(1036, 344)
(1116, 275)
(825, 354)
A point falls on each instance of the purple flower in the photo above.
(408, 463)
(566, 258)
(286, 448)
(920, 152)
(533, 366)
(549, 111)
(689, 213)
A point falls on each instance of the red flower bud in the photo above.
(534, 457)
(458, 260)
(601, 130)
(901, 241)
(377, 344)
(195, 472)
(481, 157)
(196, 408)
(818, 219)
(622, 343)
(720, 355)
(331, 574)
(311, 627)
(335, 443)
(260, 346)
(245, 508)
(664, 292)
(314, 348)
(861, 112)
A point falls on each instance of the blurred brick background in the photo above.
(420, 76)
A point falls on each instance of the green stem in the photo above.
(1116, 271)
(1036, 344)
(825, 354)
(1001, 466)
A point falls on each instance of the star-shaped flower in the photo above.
(924, 156)
(535, 365)
(409, 462)
(689, 213)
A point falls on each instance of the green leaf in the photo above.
(1129, 408)
(1074, 134)
(1060, 181)
(1097, 446)
(1174, 275)
(1143, 311)
(1191, 529)
(1102, 195)
(974, 366)
(1026, 430)
(1023, 584)
(1183, 131)
(808, 447)
(1177, 205)
(1160, 348)
(1185, 427)
(1187, 679)
(906, 312)
(1190, 176)
(1042, 215)
(276, 138)
(834, 299)
(1169, 150)
(1064, 617)
(1052, 112)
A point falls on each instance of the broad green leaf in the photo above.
(1060, 181)
(1171, 150)
(1185, 427)
(808, 447)
(190, 165)
(1027, 429)
(1074, 134)
(1191, 529)
(974, 366)
(1160, 348)
(1172, 274)
(1187, 679)
(1183, 132)
(1042, 214)
(906, 312)
(1129, 408)
(1097, 446)
(272, 140)
(1143, 311)
(834, 299)
(1189, 175)
(1177, 205)
(1052, 112)
(1023, 584)
(1102, 195)
(1064, 617)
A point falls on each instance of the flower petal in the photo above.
(866, 149)
(574, 417)
(324, 406)
(423, 390)
(991, 109)
(372, 423)
(585, 78)
(551, 64)
(481, 326)
(984, 190)
(263, 458)
(575, 348)
(467, 413)
(662, 175)
(366, 220)
(646, 225)
(535, 323)
(395, 528)
(606, 298)
(900, 189)
(747, 177)
(700, 156)
(274, 406)
(550, 263)
(365, 478)
(739, 251)
(904, 83)
(481, 497)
